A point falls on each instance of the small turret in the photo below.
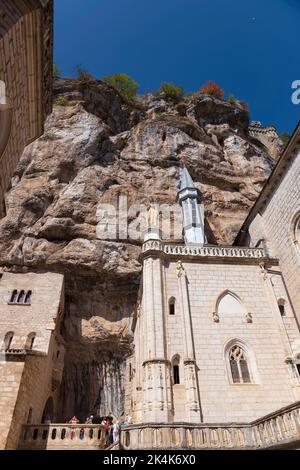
(190, 201)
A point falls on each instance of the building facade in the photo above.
(217, 328)
(32, 351)
(26, 61)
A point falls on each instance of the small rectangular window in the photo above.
(176, 374)
(282, 310)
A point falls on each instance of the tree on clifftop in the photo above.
(125, 85)
(172, 91)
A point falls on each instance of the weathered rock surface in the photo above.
(93, 150)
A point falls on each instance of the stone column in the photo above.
(156, 367)
(137, 377)
(193, 408)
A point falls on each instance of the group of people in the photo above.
(111, 425)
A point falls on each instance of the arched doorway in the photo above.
(48, 413)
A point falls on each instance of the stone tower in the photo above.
(26, 62)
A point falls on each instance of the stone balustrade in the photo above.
(277, 430)
(62, 437)
(233, 252)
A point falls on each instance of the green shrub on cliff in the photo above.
(61, 101)
(172, 91)
(285, 137)
(124, 84)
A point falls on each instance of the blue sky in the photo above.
(250, 48)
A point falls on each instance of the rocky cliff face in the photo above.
(95, 149)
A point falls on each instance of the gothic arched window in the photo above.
(29, 417)
(281, 306)
(296, 230)
(28, 297)
(8, 340)
(172, 303)
(297, 363)
(239, 365)
(21, 297)
(175, 367)
(14, 297)
(30, 341)
(229, 303)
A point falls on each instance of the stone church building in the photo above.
(217, 337)
(217, 328)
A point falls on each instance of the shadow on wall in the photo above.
(6, 113)
(97, 331)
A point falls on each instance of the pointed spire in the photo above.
(189, 198)
(186, 180)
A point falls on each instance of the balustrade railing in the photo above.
(278, 430)
(62, 437)
(204, 251)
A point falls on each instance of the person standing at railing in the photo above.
(116, 431)
(73, 420)
(106, 425)
(89, 420)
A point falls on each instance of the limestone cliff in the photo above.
(95, 148)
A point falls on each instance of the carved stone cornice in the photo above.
(205, 252)
(157, 361)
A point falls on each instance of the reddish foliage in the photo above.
(211, 88)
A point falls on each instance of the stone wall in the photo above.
(276, 224)
(26, 50)
(268, 137)
(10, 379)
(220, 399)
(29, 376)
